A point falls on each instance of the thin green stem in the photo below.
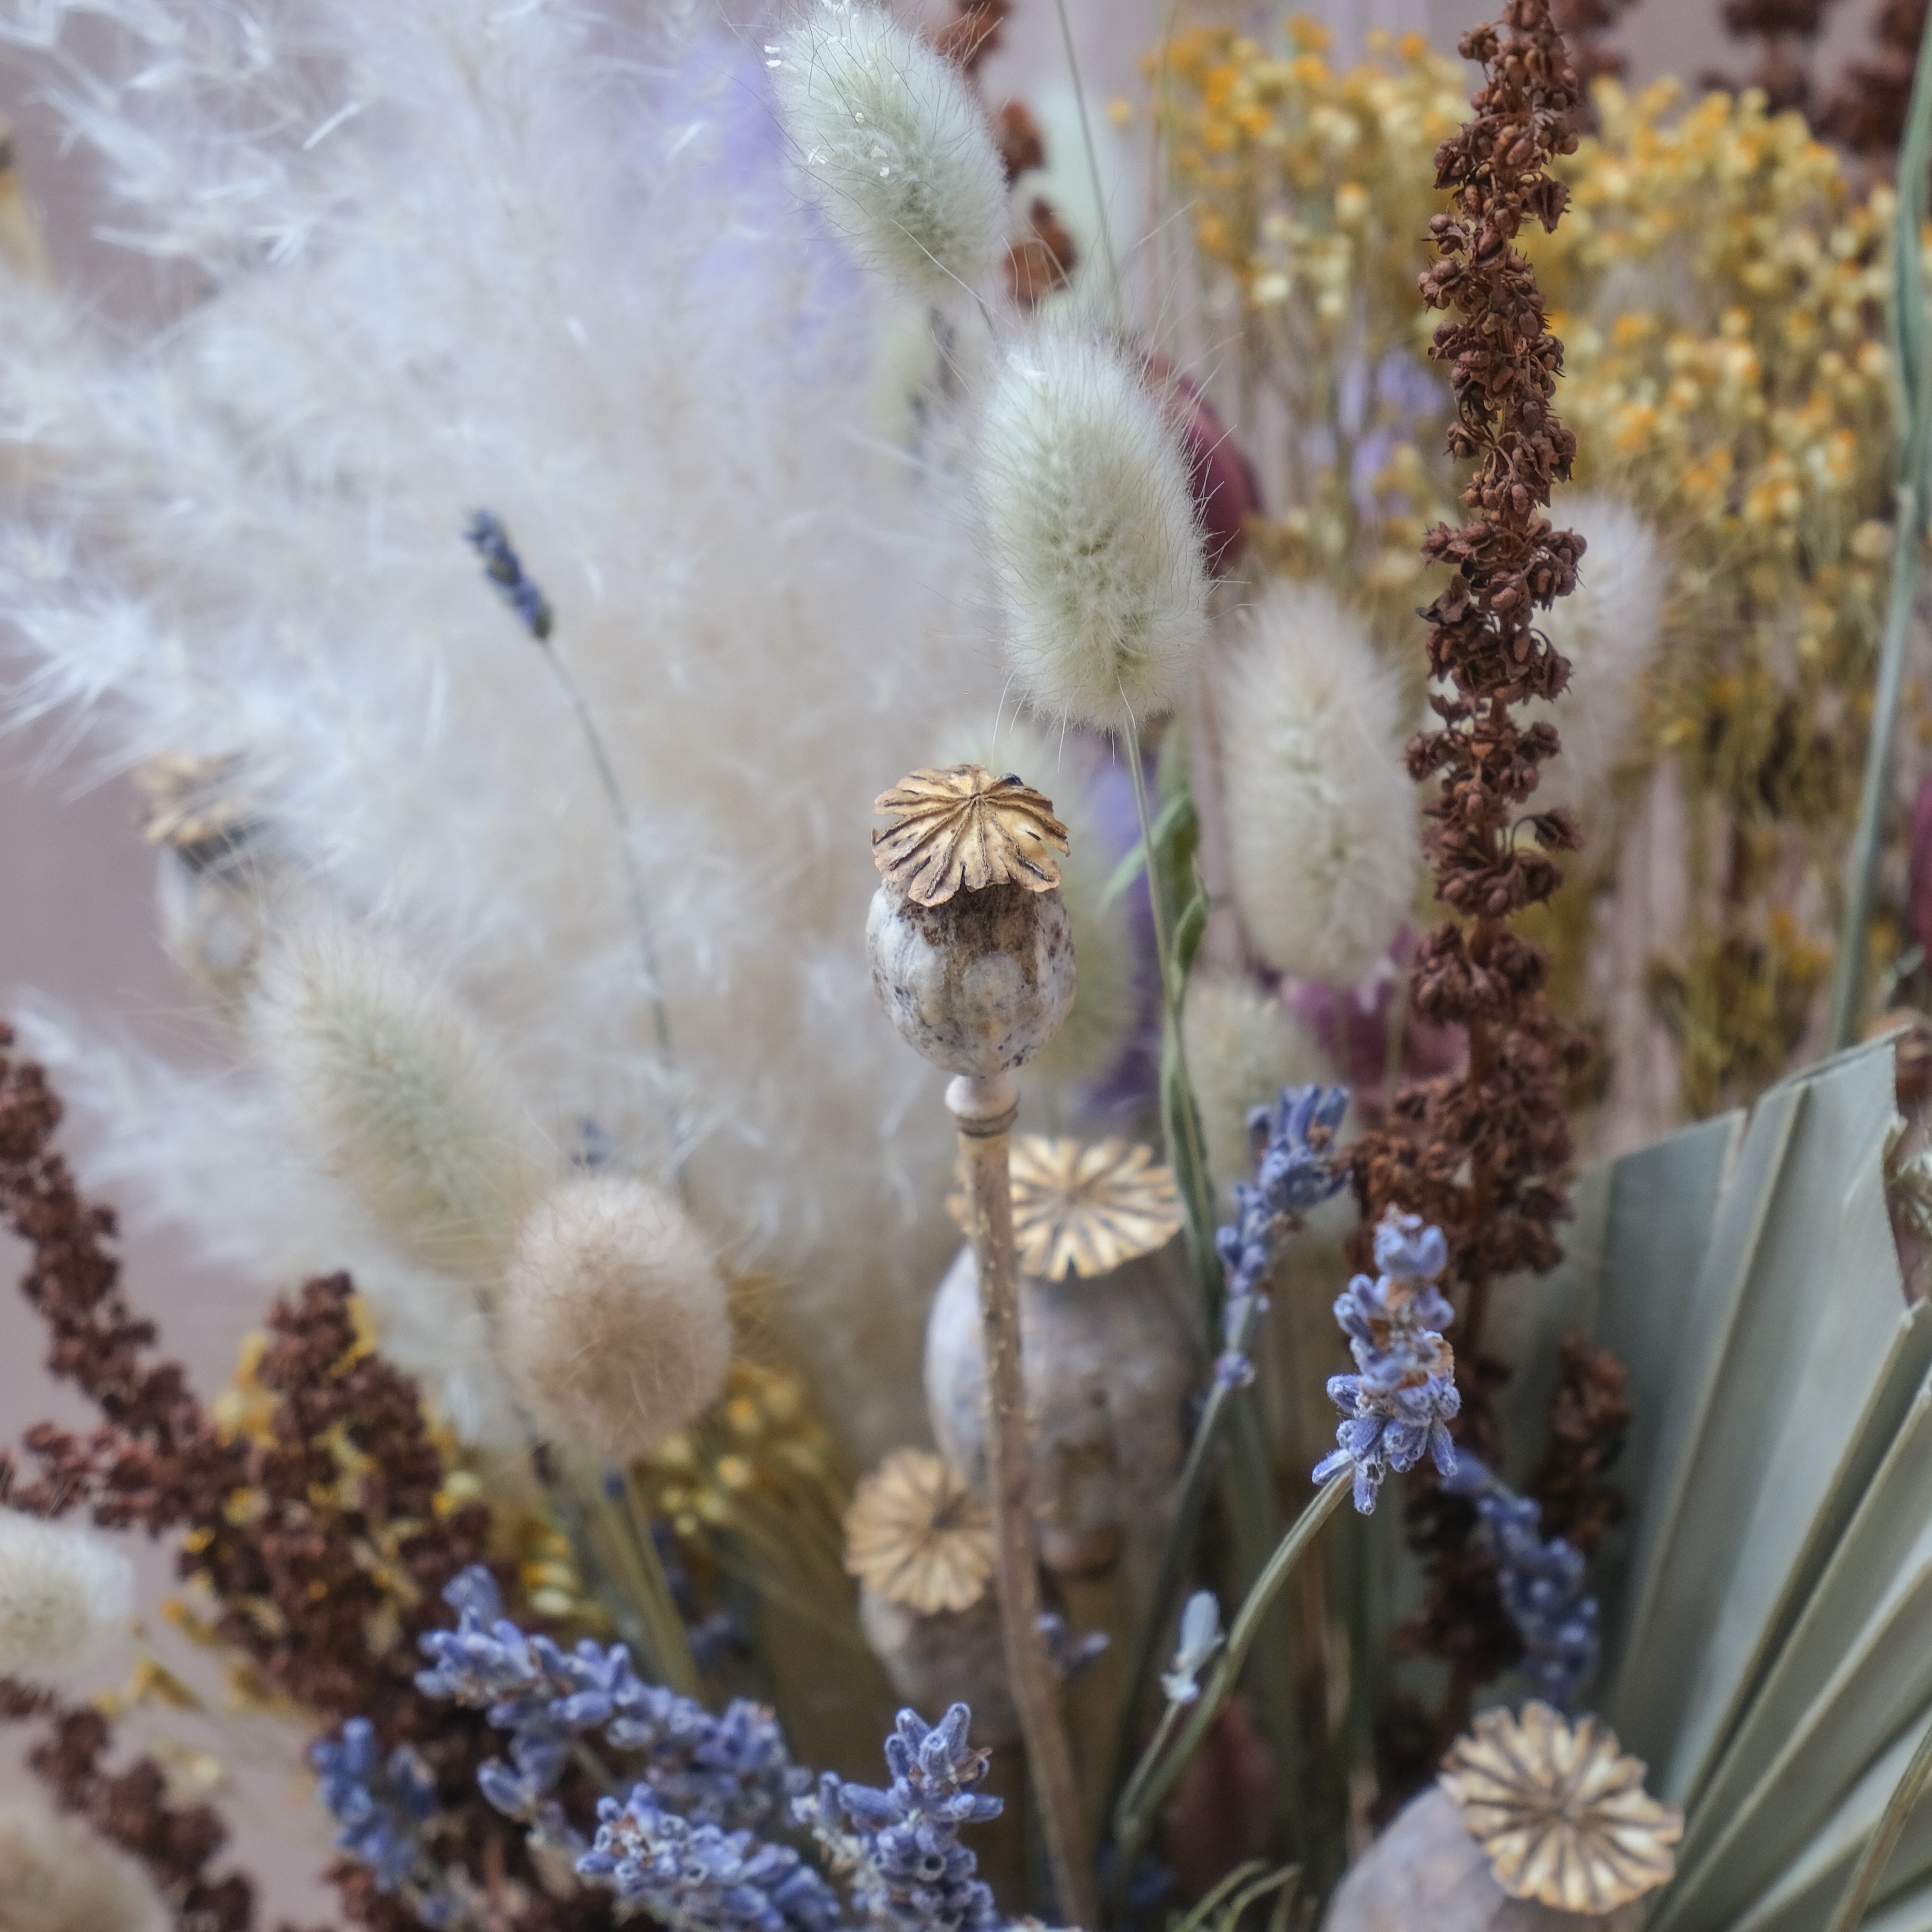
(635, 897)
(1884, 1840)
(1155, 1777)
(1092, 161)
(635, 1555)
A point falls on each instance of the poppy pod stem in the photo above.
(985, 1108)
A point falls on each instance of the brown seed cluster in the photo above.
(1481, 1152)
(1867, 112)
(322, 1535)
(1787, 33)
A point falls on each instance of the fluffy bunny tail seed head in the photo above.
(392, 1082)
(59, 1875)
(891, 145)
(1090, 525)
(65, 1596)
(613, 1323)
(1322, 837)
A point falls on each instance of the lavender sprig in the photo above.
(911, 1872)
(485, 534)
(380, 1809)
(1294, 1171)
(1403, 1397)
(1541, 1584)
(731, 1770)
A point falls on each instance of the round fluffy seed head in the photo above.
(1090, 524)
(58, 1875)
(891, 145)
(1608, 628)
(65, 1595)
(613, 1323)
(390, 1080)
(1322, 841)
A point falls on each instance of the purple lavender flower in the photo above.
(1399, 1402)
(687, 1875)
(485, 534)
(910, 1871)
(1295, 1170)
(731, 1770)
(1541, 1584)
(379, 1808)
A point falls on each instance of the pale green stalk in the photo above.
(1092, 161)
(1910, 357)
(1884, 1840)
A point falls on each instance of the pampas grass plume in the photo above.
(65, 1595)
(612, 1325)
(891, 145)
(397, 1089)
(1091, 528)
(1608, 628)
(59, 1875)
(1243, 1047)
(1322, 837)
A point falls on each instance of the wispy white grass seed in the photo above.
(1322, 835)
(1091, 528)
(65, 1595)
(397, 1090)
(891, 145)
(613, 1325)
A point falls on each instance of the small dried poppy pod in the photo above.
(921, 1545)
(1105, 1345)
(971, 953)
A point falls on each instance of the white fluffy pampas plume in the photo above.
(1321, 814)
(613, 1325)
(59, 1875)
(891, 145)
(1090, 527)
(548, 262)
(1608, 628)
(65, 1595)
(396, 1090)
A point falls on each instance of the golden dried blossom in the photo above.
(962, 827)
(1562, 1816)
(1085, 1211)
(917, 1534)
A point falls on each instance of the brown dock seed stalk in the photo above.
(1480, 1153)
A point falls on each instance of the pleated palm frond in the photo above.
(1768, 1606)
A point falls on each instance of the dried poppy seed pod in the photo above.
(971, 953)
(1107, 1353)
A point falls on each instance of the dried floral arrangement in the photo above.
(598, 470)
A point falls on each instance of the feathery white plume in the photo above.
(1608, 628)
(65, 1595)
(1321, 812)
(220, 1158)
(400, 1096)
(1243, 1047)
(1091, 527)
(1106, 1001)
(891, 145)
(59, 1875)
(613, 1325)
(548, 264)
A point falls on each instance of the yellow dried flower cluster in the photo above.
(1311, 189)
(757, 1488)
(1720, 289)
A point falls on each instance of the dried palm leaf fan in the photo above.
(1768, 1605)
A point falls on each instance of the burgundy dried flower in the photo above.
(1226, 490)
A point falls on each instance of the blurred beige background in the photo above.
(76, 884)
